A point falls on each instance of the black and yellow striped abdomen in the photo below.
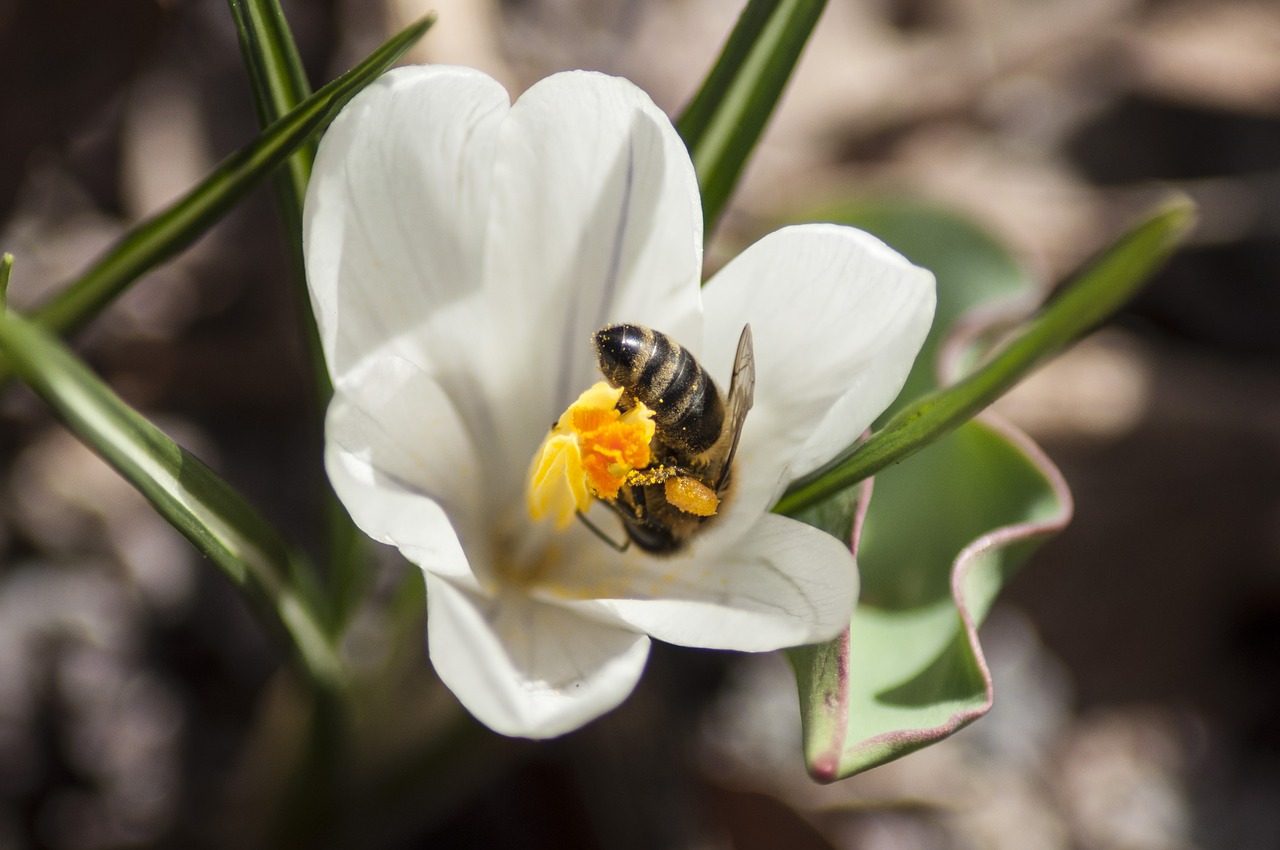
(660, 373)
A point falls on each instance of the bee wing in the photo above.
(742, 393)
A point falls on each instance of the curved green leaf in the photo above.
(944, 531)
(1082, 303)
(723, 122)
(183, 490)
(942, 534)
(159, 237)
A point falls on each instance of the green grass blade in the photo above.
(279, 84)
(1084, 302)
(6, 268)
(204, 508)
(723, 122)
(275, 70)
(159, 237)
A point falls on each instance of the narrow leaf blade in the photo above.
(271, 57)
(6, 268)
(279, 84)
(204, 508)
(161, 236)
(1084, 302)
(725, 119)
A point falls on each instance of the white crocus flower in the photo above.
(461, 251)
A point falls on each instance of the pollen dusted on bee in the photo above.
(681, 491)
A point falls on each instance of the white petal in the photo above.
(784, 584)
(396, 213)
(401, 422)
(837, 319)
(526, 668)
(595, 218)
(392, 510)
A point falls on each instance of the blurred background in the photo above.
(1136, 658)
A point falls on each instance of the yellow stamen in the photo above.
(588, 453)
(557, 486)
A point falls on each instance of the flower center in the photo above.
(588, 454)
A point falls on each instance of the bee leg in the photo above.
(596, 530)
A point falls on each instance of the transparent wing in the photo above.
(742, 393)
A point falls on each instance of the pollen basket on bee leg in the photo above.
(691, 496)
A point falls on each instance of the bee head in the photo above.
(619, 348)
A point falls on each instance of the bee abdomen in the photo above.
(660, 373)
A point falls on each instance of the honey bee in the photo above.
(695, 436)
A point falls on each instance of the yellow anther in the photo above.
(589, 453)
(557, 487)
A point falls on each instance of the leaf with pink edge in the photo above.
(943, 532)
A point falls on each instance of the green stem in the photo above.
(312, 808)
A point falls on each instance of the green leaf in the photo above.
(1081, 304)
(941, 532)
(159, 237)
(6, 268)
(279, 84)
(944, 531)
(183, 490)
(271, 58)
(723, 122)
